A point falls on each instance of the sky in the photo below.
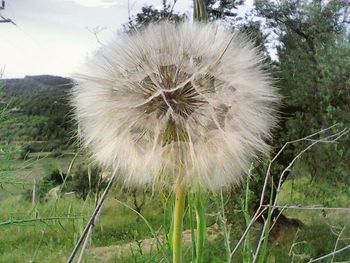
(55, 36)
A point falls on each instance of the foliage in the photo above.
(25, 150)
(86, 180)
(117, 225)
(3, 102)
(38, 109)
(83, 182)
(313, 70)
(55, 178)
(53, 147)
(222, 9)
(150, 14)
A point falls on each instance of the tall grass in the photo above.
(47, 231)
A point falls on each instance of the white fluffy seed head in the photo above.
(188, 100)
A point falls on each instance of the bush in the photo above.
(53, 179)
(25, 150)
(86, 180)
(56, 153)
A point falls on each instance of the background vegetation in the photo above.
(48, 187)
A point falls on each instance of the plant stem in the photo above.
(201, 226)
(180, 197)
(193, 237)
(200, 11)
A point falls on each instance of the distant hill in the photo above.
(35, 108)
(36, 84)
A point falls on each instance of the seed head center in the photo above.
(178, 92)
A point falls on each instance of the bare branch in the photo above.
(262, 237)
(336, 243)
(262, 208)
(310, 207)
(95, 31)
(88, 228)
(330, 254)
(41, 219)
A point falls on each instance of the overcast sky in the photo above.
(52, 36)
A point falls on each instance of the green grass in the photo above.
(45, 240)
(52, 240)
(49, 240)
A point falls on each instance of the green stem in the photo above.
(180, 197)
(201, 226)
(200, 11)
(192, 225)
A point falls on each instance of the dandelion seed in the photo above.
(193, 97)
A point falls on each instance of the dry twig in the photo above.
(262, 208)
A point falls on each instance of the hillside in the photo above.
(30, 85)
(35, 108)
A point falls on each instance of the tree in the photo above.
(222, 9)
(216, 9)
(313, 69)
(150, 14)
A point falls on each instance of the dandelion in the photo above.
(187, 106)
(172, 95)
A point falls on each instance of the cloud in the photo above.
(96, 3)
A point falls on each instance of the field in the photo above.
(46, 230)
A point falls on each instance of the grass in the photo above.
(41, 241)
(52, 239)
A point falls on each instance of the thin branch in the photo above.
(92, 220)
(257, 214)
(327, 139)
(276, 219)
(154, 233)
(336, 243)
(83, 248)
(88, 235)
(172, 8)
(226, 227)
(311, 207)
(330, 254)
(266, 223)
(95, 31)
(23, 221)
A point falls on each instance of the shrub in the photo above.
(86, 180)
(25, 150)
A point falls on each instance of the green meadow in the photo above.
(46, 229)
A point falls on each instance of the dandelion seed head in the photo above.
(188, 100)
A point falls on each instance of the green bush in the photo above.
(25, 150)
(85, 180)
